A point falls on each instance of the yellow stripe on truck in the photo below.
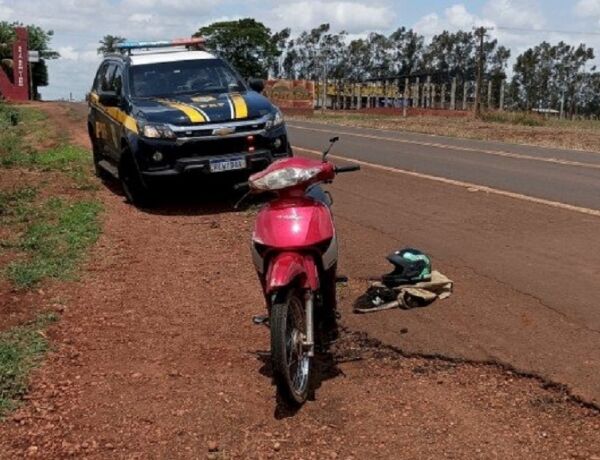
(240, 106)
(192, 113)
(116, 113)
(123, 118)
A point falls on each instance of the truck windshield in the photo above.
(202, 76)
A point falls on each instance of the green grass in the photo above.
(16, 202)
(62, 158)
(55, 241)
(21, 350)
(513, 118)
(48, 237)
(13, 124)
(73, 160)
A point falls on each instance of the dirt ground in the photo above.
(155, 356)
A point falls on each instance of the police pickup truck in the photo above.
(169, 109)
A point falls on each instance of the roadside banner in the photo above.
(291, 94)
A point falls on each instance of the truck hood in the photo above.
(185, 110)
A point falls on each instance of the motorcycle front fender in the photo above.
(290, 267)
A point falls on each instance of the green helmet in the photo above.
(410, 266)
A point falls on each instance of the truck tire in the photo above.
(136, 191)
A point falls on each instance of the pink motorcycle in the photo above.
(295, 252)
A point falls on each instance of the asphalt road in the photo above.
(571, 177)
(527, 273)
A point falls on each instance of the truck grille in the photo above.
(218, 147)
(208, 131)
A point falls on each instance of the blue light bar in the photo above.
(133, 44)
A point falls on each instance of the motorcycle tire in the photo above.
(290, 361)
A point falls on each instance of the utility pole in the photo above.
(480, 33)
(324, 103)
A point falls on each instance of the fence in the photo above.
(410, 93)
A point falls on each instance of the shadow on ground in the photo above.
(325, 367)
(196, 199)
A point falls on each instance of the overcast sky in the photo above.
(79, 24)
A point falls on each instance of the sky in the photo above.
(79, 24)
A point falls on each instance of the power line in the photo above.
(546, 31)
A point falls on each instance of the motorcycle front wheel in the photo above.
(290, 360)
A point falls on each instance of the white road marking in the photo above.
(468, 185)
(498, 153)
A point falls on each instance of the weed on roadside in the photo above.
(21, 349)
(513, 118)
(15, 125)
(16, 203)
(55, 241)
(73, 160)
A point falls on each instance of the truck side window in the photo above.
(97, 87)
(107, 77)
(117, 81)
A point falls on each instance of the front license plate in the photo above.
(227, 165)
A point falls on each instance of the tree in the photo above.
(358, 60)
(281, 40)
(311, 53)
(546, 74)
(451, 55)
(407, 51)
(39, 40)
(380, 65)
(108, 44)
(496, 64)
(246, 43)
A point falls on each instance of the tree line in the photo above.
(545, 76)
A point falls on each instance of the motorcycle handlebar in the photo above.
(343, 169)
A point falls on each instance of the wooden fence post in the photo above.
(405, 96)
(417, 92)
(428, 99)
(443, 97)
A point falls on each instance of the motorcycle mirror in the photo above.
(332, 141)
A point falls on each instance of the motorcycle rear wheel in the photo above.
(290, 360)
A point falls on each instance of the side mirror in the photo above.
(332, 141)
(256, 84)
(109, 98)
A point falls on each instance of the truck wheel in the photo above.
(291, 363)
(136, 192)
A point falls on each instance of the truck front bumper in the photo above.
(200, 165)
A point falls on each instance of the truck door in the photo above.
(115, 114)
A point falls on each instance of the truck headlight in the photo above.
(275, 120)
(153, 131)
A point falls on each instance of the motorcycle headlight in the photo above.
(153, 131)
(275, 120)
(284, 178)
